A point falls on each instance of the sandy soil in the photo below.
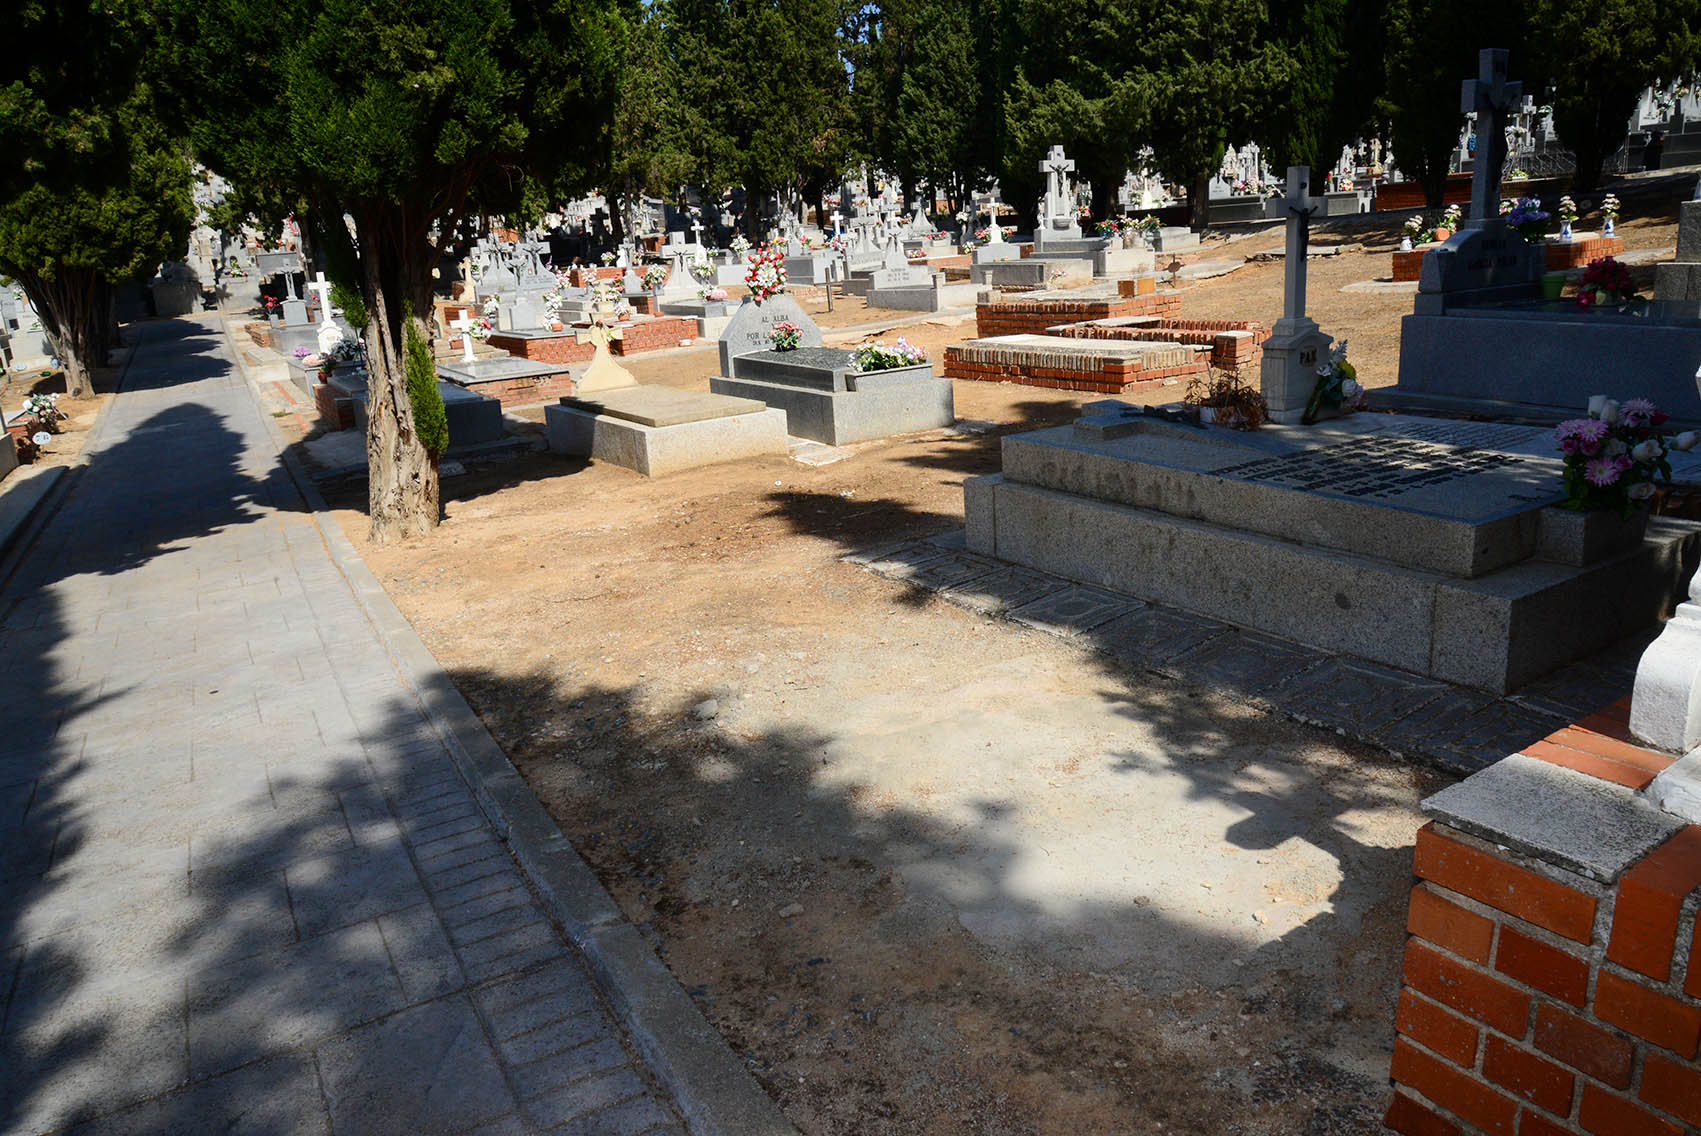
(930, 872)
(80, 413)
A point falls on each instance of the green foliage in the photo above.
(90, 180)
(1428, 59)
(430, 419)
(351, 303)
(1598, 57)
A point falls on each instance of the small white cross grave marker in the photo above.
(697, 230)
(994, 235)
(321, 287)
(464, 325)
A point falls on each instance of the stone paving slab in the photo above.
(243, 886)
(1453, 727)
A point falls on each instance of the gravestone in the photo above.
(1288, 374)
(1059, 219)
(1492, 99)
(752, 328)
(1679, 280)
(1423, 544)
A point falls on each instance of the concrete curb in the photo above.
(710, 1086)
(26, 508)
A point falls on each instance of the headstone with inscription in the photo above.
(1424, 544)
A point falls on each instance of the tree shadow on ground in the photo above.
(926, 959)
(91, 623)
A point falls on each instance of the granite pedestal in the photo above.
(1425, 545)
(657, 430)
(825, 400)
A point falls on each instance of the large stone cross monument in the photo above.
(1296, 345)
(1492, 99)
(1059, 219)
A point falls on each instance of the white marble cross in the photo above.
(994, 235)
(464, 325)
(838, 221)
(322, 288)
(1300, 209)
(1492, 99)
(697, 229)
(1056, 167)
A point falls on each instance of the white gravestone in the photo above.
(1060, 218)
(1288, 374)
(464, 325)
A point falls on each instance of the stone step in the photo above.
(1497, 632)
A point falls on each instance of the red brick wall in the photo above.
(655, 334)
(1408, 265)
(1098, 374)
(260, 333)
(563, 348)
(1033, 317)
(1562, 255)
(1224, 350)
(525, 391)
(324, 400)
(1537, 1001)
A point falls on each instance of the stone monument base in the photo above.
(827, 402)
(1030, 272)
(657, 430)
(1414, 543)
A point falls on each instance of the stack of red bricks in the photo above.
(1226, 344)
(526, 390)
(1033, 365)
(1409, 265)
(655, 334)
(1035, 317)
(563, 348)
(1538, 1001)
(1578, 252)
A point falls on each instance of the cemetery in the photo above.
(542, 596)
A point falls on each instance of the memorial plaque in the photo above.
(1375, 467)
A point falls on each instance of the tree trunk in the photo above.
(1199, 201)
(402, 500)
(72, 305)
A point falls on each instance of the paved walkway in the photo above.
(242, 887)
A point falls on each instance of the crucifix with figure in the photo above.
(1057, 167)
(994, 235)
(1492, 99)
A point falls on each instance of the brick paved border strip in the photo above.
(712, 1088)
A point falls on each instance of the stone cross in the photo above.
(464, 325)
(1300, 209)
(321, 287)
(838, 221)
(697, 230)
(1056, 167)
(1492, 99)
(994, 235)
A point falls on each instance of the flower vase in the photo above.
(1405, 244)
(1565, 230)
(1607, 226)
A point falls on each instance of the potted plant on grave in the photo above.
(1413, 233)
(1527, 216)
(273, 315)
(1337, 386)
(1224, 399)
(1606, 283)
(655, 276)
(42, 413)
(1609, 214)
(785, 335)
(1567, 210)
(1612, 461)
(879, 357)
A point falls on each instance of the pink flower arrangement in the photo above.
(1614, 456)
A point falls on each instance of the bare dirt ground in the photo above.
(930, 872)
(80, 413)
